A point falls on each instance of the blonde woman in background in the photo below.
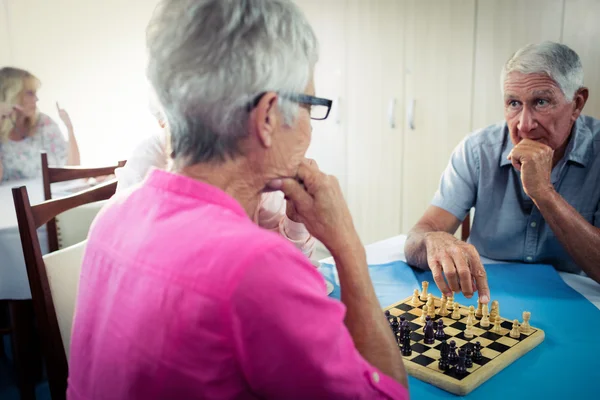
(25, 131)
(273, 212)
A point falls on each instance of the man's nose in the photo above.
(527, 121)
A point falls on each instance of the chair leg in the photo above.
(21, 317)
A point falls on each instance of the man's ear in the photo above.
(263, 118)
(579, 101)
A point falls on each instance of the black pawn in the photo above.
(443, 362)
(429, 333)
(406, 348)
(469, 359)
(452, 356)
(395, 324)
(427, 319)
(387, 314)
(439, 333)
(461, 368)
(477, 352)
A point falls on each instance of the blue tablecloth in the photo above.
(564, 366)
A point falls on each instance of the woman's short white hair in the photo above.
(208, 59)
(556, 60)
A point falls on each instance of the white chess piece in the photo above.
(415, 299)
(495, 310)
(497, 327)
(469, 330)
(455, 311)
(514, 333)
(485, 319)
(479, 312)
(424, 292)
(471, 317)
(443, 311)
(423, 314)
(525, 327)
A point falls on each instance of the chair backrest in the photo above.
(51, 307)
(62, 174)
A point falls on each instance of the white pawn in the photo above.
(430, 307)
(515, 330)
(485, 319)
(471, 317)
(443, 311)
(455, 311)
(423, 314)
(525, 327)
(469, 330)
(479, 312)
(415, 299)
(495, 310)
(424, 292)
(497, 322)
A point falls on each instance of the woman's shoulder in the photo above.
(45, 120)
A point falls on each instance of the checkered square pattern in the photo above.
(494, 342)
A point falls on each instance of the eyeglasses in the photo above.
(317, 107)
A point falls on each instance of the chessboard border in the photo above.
(475, 379)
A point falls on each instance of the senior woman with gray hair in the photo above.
(533, 180)
(181, 295)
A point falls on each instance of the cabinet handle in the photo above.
(392, 113)
(410, 114)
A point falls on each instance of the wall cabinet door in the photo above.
(581, 32)
(439, 68)
(375, 116)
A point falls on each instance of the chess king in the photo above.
(532, 175)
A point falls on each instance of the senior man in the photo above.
(182, 295)
(532, 179)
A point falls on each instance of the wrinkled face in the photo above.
(535, 108)
(290, 142)
(29, 99)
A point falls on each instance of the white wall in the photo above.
(91, 57)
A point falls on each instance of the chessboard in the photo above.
(488, 349)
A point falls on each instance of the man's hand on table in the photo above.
(456, 266)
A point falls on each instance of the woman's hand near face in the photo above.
(319, 204)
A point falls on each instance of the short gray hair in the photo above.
(208, 59)
(556, 60)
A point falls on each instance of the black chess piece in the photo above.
(443, 361)
(406, 347)
(395, 324)
(439, 333)
(477, 352)
(452, 356)
(403, 326)
(427, 319)
(461, 368)
(469, 358)
(387, 314)
(402, 319)
(429, 333)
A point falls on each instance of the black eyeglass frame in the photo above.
(305, 99)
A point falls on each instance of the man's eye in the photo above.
(542, 102)
(513, 103)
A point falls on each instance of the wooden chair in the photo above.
(62, 174)
(53, 278)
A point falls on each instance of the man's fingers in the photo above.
(480, 276)
(464, 273)
(438, 277)
(450, 272)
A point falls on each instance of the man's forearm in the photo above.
(364, 316)
(579, 237)
(73, 157)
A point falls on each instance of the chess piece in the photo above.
(423, 314)
(461, 367)
(477, 356)
(469, 331)
(471, 317)
(402, 319)
(495, 310)
(443, 311)
(515, 333)
(455, 311)
(525, 327)
(423, 296)
(452, 356)
(497, 327)
(430, 307)
(439, 333)
(387, 314)
(406, 348)
(415, 299)
(429, 333)
(443, 363)
(469, 358)
(403, 325)
(427, 319)
(479, 312)
(395, 324)
(485, 320)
